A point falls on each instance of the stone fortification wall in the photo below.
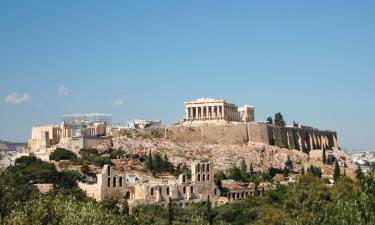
(76, 144)
(300, 138)
(211, 134)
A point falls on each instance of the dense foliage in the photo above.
(309, 201)
(17, 182)
(62, 154)
(158, 165)
(279, 119)
(242, 175)
(91, 156)
(116, 154)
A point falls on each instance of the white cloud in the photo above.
(118, 101)
(63, 91)
(15, 98)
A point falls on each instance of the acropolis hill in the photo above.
(219, 133)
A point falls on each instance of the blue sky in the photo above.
(313, 61)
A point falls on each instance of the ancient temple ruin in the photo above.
(216, 111)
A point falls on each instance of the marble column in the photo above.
(311, 142)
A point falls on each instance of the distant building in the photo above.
(75, 132)
(135, 124)
(79, 118)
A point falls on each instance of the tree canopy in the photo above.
(62, 154)
(279, 119)
(308, 201)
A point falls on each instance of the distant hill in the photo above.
(12, 146)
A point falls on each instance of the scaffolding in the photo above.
(80, 118)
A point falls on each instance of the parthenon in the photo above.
(208, 109)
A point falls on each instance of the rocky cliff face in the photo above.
(224, 145)
(261, 156)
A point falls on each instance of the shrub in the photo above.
(157, 164)
(97, 160)
(117, 154)
(62, 154)
(67, 179)
(84, 152)
(33, 170)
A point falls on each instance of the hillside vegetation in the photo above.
(308, 201)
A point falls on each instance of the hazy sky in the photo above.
(314, 61)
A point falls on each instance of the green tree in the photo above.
(256, 188)
(14, 191)
(157, 164)
(86, 152)
(209, 214)
(251, 169)
(273, 171)
(218, 177)
(62, 154)
(316, 171)
(66, 179)
(243, 167)
(33, 170)
(235, 174)
(117, 154)
(109, 203)
(170, 212)
(279, 119)
(269, 120)
(359, 173)
(125, 210)
(336, 171)
(61, 209)
(149, 162)
(285, 171)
